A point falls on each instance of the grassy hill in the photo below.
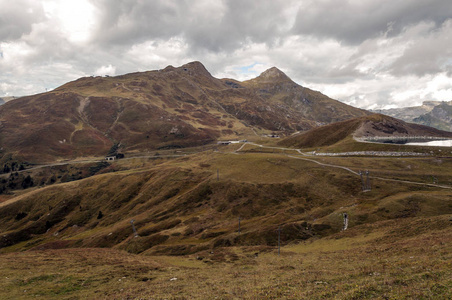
(403, 259)
(340, 136)
(180, 206)
(396, 245)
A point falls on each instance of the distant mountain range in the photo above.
(162, 109)
(3, 100)
(431, 113)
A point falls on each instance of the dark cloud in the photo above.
(209, 25)
(346, 74)
(354, 22)
(241, 22)
(134, 21)
(17, 18)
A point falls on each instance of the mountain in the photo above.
(437, 114)
(376, 125)
(168, 108)
(3, 100)
(439, 117)
(215, 212)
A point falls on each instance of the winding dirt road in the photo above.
(342, 167)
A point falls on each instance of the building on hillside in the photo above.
(115, 156)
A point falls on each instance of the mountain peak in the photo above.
(273, 75)
(191, 68)
(195, 67)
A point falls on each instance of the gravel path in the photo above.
(361, 153)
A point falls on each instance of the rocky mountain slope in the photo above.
(435, 114)
(168, 108)
(439, 117)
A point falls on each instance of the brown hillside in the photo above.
(376, 125)
(179, 206)
(385, 126)
(168, 108)
(324, 135)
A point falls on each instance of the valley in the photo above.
(217, 188)
(225, 150)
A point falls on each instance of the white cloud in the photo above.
(159, 53)
(105, 70)
(439, 87)
(76, 19)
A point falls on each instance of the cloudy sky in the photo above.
(367, 53)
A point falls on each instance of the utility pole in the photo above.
(365, 183)
(133, 227)
(362, 180)
(368, 181)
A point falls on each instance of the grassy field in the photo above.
(404, 259)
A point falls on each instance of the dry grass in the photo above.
(370, 261)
